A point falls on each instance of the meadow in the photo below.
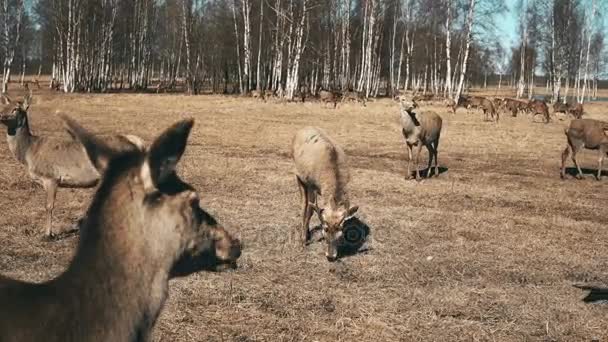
(487, 251)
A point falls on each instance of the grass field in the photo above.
(488, 251)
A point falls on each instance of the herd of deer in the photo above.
(144, 224)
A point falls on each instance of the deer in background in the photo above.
(420, 129)
(50, 162)
(143, 227)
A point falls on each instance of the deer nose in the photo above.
(193, 198)
(331, 258)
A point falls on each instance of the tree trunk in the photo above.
(469, 29)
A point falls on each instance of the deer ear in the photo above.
(27, 101)
(352, 211)
(99, 153)
(5, 99)
(166, 151)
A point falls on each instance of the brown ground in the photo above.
(488, 251)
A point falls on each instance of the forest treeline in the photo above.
(289, 46)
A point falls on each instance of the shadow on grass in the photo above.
(355, 237)
(571, 171)
(596, 294)
(426, 173)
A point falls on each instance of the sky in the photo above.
(508, 25)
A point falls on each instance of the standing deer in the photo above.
(589, 134)
(53, 163)
(420, 129)
(143, 227)
(321, 170)
(328, 97)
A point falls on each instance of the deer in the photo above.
(353, 96)
(589, 134)
(420, 129)
(515, 106)
(321, 171)
(53, 163)
(477, 102)
(143, 227)
(258, 94)
(539, 107)
(328, 97)
(576, 110)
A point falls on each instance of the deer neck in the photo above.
(122, 286)
(335, 194)
(20, 143)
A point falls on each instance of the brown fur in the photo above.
(514, 106)
(268, 94)
(420, 129)
(539, 107)
(589, 134)
(576, 110)
(560, 107)
(257, 94)
(482, 103)
(328, 97)
(143, 227)
(55, 163)
(321, 170)
(353, 96)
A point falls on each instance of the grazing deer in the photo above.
(478, 102)
(258, 94)
(268, 94)
(515, 106)
(589, 134)
(53, 163)
(420, 129)
(328, 97)
(321, 170)
(539, 107)
(143, 227)
(576, 110)
(354, 96)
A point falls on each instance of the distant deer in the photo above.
(144, 226)
(321, 170)
(53, 163)
(420, 129)
(258, 94)
(536, 107)
(589, 134)
(354, 96)
(328, 97)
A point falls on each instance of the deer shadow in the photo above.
(355, 236)
(425, 173)
(595, 294)
(571, 171)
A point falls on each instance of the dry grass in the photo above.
(487, 251)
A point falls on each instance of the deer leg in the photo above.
(51, 192)
(565, 155)
(419, 146)
(409, 160)
(600, 162)
(431, 151)
(436, 146)
(580, 172)
(305, 210)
